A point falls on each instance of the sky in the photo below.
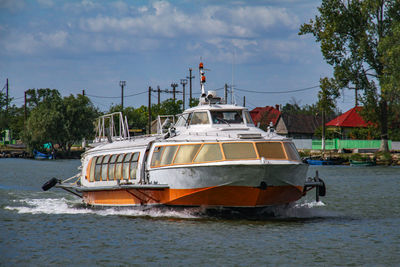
(93, 45)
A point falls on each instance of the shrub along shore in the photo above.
(380, 158)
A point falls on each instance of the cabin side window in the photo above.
(118, 167)
(92, 168)
(291, 151)
(186, 154)
(200, 118)
(209, 152)
(133, 166)
(104, 168)
(156, 159)
(97, 171)
(168, 155)
(234, 151)
(125, 166)
(111, 166)
(271, 150)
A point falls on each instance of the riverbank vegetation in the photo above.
(361, 40)
(49, 118)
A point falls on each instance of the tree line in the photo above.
(48, 117)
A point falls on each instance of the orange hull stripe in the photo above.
(234, 196)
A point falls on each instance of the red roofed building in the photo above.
(351, 118)
(348, 121)
(265, 115)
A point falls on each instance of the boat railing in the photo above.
(164, 122)
(112, 127)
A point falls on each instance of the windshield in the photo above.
(182, 120)
(231, 116)
(248, 117)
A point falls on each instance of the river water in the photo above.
(357, 223)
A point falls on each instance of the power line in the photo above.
(97, 96)
(278, 92)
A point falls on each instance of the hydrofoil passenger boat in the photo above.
(212, 156)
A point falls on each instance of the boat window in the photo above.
(248, 117)
(227, 117)
(111, 167)
(271, 150)
(168, 155)
(209, 152)
(239, 151)
(125, 166)
(291, 151)
(186, 154)
(156, 159)
(97, 171)
(200, 118)
(92, 168)
(118, 167)
(182, 120)
(104, 168)
(134, 166)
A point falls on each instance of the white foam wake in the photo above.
(302, 210)
(64, 206)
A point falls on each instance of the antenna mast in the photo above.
(202, 79)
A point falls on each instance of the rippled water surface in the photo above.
(357, 223)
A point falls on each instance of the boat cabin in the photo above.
(214, 115)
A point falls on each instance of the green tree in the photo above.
(57, 120)
(16, 117)
(326, 101)
(194, 102)
(352, 34)
(79, 115)
(137, 117)
(45, 123)
(46, 96)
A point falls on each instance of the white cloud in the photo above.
(29, 43)
(56, 40)
(21, 43)
(163, 19)
(215, 29)
(120, 6)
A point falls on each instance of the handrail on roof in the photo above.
(106, 128)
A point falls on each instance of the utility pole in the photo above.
(149, 108)
(183, 82)
(174, 85)
(190, 84)
(159, 93)
(83, 92)
(7, 96)
(122, 84)
(25, 112)
(226, 93)
(244, 101)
